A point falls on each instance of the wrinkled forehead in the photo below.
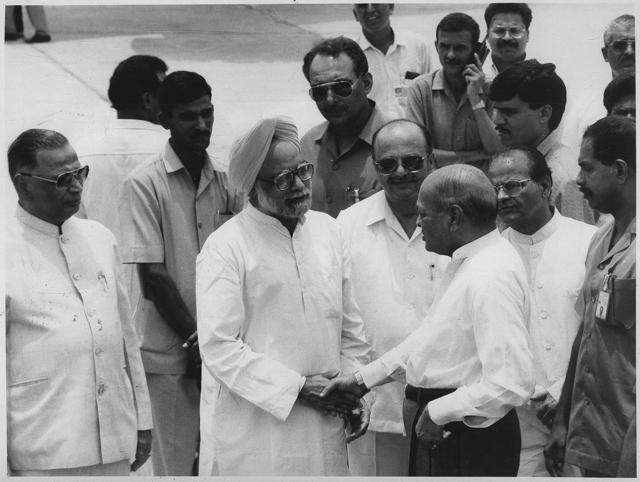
(329, 68)
(507, 20)
(620, 32)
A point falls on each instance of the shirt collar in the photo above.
(438, 81)
(172, 162)
(378, 210)
(540, 235)
(398, 40)
(136, 124)
(375, 121)
(477, 245)
(38, 224)
(548, 143)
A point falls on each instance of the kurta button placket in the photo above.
(101, 388)
(76, 276)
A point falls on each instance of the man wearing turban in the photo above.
(277, 320)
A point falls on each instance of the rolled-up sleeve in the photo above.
(253, 376)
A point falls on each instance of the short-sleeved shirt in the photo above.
(407, 53)
(166, 219)
(337, 177)
(452, 124)
(603, 402)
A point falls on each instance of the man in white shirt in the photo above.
(508, 35)
(133, 139)
(276, 318)
(77, 399)
(394, 280)
(468, 364)
(529, 99)
(395, 56)
(553, 249)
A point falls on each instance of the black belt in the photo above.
(425, 395)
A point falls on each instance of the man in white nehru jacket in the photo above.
(277, 319)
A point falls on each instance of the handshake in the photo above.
(339, 396)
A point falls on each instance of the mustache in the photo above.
(507, 43)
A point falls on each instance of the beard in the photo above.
(291, 207)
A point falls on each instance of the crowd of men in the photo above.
(470, 312)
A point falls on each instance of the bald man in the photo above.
(468, 364)
(394, 281)
(277, 318)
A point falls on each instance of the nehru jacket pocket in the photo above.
(624, 302)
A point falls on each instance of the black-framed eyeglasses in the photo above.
(389, 165)
(512, 187)
(284, 180)
(623, 44)
(341, 88)
(64, 180)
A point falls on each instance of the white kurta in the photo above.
(474, 338)
(394, 280)
(72, 354)
(273, 308)
(554, 258)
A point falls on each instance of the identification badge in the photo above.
(602, 303)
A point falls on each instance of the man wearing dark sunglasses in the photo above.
(71, 408)
(337, 71)
(277, 319)
(394, 279)
(553, 249)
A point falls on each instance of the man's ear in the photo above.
(456, 216)
(622, 170)
(367, 81)
(147, 100)
(391, 5)
(355, 14)
(605, 55)
(545, 114)
(22, 187)
(546, 184)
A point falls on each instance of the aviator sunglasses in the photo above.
(64, 180)
(341, 88)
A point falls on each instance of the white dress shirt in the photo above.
(473, 339)
(72, 354)
(272, 309)
(394, 280)
(408, 53)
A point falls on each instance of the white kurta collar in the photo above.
(541, 234)
(38, 224)
(470, 249)
(262, 218)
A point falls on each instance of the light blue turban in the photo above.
(249, 152)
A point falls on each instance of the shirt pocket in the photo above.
(624, 302)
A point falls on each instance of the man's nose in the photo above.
(580, 179)
(496, 117)
(630, 50)
(369, 7)
(76, 184)
(501, 194)
(450, 53)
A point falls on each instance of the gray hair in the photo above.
(621, 21)
(24, 149)
(466, 186)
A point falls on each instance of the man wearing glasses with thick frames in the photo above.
(277, 319)
(508, 35)
(553, 249)
(340, 148)
(71, 408)
(394, 292)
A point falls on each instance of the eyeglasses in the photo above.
(389, 165)
(623, 45)
(511, 188)
(514, 32)
(341, 88)
(284, 180)
(64, 180)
